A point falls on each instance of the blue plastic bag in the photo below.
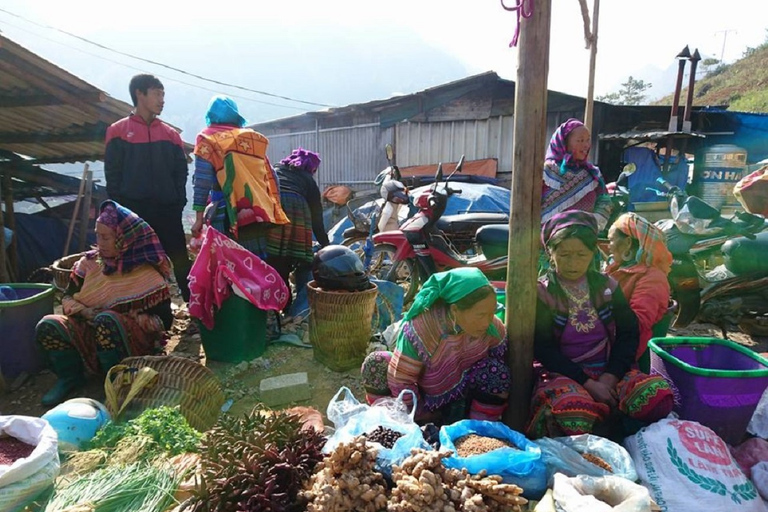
(390, 413)
(523, 466)
(563, 455)
(389, 304)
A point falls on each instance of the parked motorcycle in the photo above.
(460, 228)
(717, 272)
(420, 247)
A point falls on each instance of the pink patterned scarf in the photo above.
(223, 264)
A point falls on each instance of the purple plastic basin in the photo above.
(716, 382)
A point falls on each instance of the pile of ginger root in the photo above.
(347, 481)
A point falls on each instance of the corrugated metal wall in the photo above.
(428, 143)
(351, 155)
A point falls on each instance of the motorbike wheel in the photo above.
(404, 273)
(355, 243)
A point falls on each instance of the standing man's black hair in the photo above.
(143, 82)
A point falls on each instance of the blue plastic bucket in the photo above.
(18, 318)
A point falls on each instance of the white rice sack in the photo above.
(687, 467)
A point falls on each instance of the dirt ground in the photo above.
(241, 381)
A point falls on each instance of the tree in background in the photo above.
(631, 93)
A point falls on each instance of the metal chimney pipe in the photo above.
(684, 55)
(689, 100)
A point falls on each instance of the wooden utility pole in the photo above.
(530, 139)
(588, 111)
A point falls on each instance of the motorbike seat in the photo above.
(469, 222)
(493, 240)
(745, 256)
(678, 242)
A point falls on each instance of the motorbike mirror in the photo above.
(390, 153)
(629, 168)
(458, 167)
(439, 173)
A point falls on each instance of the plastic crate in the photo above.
(239, 332)
(18, 319)
(716, 382)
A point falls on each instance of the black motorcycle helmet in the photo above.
(336, 267)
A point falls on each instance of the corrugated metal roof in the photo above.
(49, 115)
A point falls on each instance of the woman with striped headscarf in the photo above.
(117, 304)
(571, 181)
(640, 263)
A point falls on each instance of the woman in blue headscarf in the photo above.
(235, 188)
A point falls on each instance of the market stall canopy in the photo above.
(48, 115)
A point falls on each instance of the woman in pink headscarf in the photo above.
(571, 181)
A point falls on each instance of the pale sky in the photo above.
(634, 37)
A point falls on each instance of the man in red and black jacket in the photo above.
(146, 171)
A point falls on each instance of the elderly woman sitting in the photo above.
(585, 341)
(117, 303)
(451, 352)
(640, 263)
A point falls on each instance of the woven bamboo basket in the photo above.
(62, 268)
(340, 325)
(180, 382)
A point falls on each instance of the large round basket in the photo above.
(179, 382)
(62, 268)
(340, 325)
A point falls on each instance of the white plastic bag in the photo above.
(687, 467)
(391, 414)
(564, 455)
(26, 478)
(760, 478)
(340, 411)
(758, 425)
(599, 494)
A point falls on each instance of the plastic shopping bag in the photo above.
(599, 494)
(388, 413)
(340, 411)
(564, 455)
(522, 466)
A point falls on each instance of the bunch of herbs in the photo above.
(259, 461)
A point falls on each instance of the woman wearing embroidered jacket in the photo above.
(117, 303)
(585, 340)
(233, 180)
(289, 247)
(640, 263)
(571, 181)
(451, 352)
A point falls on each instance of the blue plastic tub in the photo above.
(18, 318)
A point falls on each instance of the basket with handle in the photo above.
(62, 268)
(340, 325)
(144, 382)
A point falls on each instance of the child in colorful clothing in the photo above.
(117, 304)
(585, 341)
(451, 352)
(640, 263)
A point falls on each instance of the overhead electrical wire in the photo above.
(3, 22)
(199, 77)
